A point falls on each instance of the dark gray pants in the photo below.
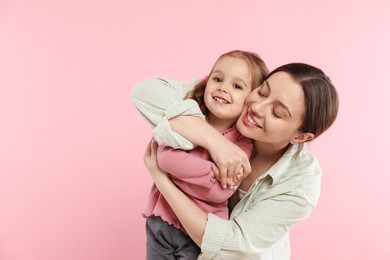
(164, 241)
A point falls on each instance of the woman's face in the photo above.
(273, 112)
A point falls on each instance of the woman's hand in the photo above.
(150, 160)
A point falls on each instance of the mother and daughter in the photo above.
(238, 128)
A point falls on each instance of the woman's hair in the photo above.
(257, 67)
(321, 98)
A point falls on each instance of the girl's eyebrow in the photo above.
(243, 82)
(236, 78)
(279, 102)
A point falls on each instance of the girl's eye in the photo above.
(217, 79)
(237, 86)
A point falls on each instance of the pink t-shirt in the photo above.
(193, 172)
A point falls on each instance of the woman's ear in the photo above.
(301, 138)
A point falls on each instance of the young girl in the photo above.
(221, 97)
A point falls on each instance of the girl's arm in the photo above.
(161, 102)
(226, 155)
(189, 167)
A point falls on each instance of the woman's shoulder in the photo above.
(301, 156)
(307, 159)
(294, 165)
(303, 174)
(299, 165)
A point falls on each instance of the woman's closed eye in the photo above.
(261, 94)
(275, 114)
(280, 112)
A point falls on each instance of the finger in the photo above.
(147, 150)
(222, 175)
(246, 167)
(240, 174)
(229, 179)
(153, 147)
(237, 170)
(230, 183)
(216, 174)
(237, 179)
(147, 154)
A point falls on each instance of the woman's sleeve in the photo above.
(253, 232)
(257, 228)
(158, 100)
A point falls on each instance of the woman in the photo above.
(294, 105)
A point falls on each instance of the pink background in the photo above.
(72, 180)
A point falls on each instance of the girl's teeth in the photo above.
(221, 100)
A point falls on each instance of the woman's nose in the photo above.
(258, 109)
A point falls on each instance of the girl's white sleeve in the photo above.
(158, 100)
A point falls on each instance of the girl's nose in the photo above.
(222, 89)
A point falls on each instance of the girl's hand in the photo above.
(231, 161)
(228, 157)
(150, 160)
(233, 182)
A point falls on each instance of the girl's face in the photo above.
(273, 112)
(228, 86)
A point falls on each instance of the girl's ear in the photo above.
(302, 137)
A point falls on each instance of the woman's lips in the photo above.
(250, 121)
